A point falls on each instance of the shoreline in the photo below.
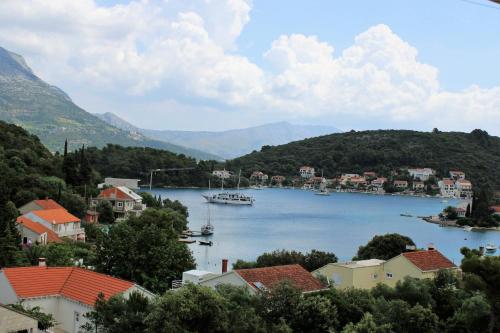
(452, 223)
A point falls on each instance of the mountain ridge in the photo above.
(228, 143)
(48, 112)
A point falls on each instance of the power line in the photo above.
(482, 4)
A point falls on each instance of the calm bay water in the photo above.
(299, 220)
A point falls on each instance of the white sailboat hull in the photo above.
(229, 199)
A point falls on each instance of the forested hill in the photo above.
(476, 153)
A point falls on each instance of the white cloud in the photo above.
(185, 51)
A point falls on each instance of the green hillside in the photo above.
(476, 153)
(48, 112)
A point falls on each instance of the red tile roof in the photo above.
(72, 282)
(429, 260)
(270, 276)
(56, 216)
(39, 229)
(114, 193)
(48, 204)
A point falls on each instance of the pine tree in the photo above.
(467, 211)
(9, 235)
(85, 168)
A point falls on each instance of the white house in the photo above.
(222, 174)
(35, 233)
(125, 202)
(421, 173)
(447, 187)
(456, 175)
(463, 188)
(259, 176)
(132, 184)
(60, 221)
(67, 293)
(306, 172)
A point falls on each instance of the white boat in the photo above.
(490, 248)
(468, 228)
(207, 229)
(230, 198)
(322, 187)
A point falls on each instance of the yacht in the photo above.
(230, 198)
(491, 248)
(207, 229)
(322, 187)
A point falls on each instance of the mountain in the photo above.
(48, 112)
(231, 143)
(475, 153)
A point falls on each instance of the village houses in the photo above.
(306, 172)
(421, 173)
(125, 202)
(447, 187)
(366, 274)
(259, 177)
(45, 221)
(277, 180)
(67, 293)
(401, 184)
(222, 174)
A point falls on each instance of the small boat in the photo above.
(207, 229)
(406, 214)
(322, 187)
(186, 241)
(444, 201)
(490, 248)
(205, 243)
(468, 228)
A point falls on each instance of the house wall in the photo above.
(7, 294)
(25, 232)
(400, 267)
(229, 278)
(336, 275)
(13, 321)
(63, 310)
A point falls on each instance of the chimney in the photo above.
(42, 262)
(224, 266)
(431, 246)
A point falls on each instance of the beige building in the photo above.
(12, 321)
(366, 274)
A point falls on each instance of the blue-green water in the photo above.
(299, 220)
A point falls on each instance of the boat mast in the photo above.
(239, 177)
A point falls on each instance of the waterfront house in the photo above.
(35, 233)
(363, 274)
(277, 180)
(379, 182)
(456, 175)
(67, 293)
(421, 173)
(60, 221)
(418, 186)
(266, 278)
(447, 187)
(259, 176)
(125, 202)
(306, 172)
(222, 174)
(14, 321)
(39, 205)
(463, 188)
(366, 274)
(370, 174)
(460, 211)
(401, 184)
(132, 184)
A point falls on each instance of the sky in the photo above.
(222, 64)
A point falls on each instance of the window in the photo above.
(119, 204)
(374, 276)
(389, 275)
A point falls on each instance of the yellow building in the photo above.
(366, 274)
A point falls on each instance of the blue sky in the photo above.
(459, 38)
(221, 64)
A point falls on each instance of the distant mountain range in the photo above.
(48, 112)
(231, 143)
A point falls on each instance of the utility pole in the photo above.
(152, 171)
